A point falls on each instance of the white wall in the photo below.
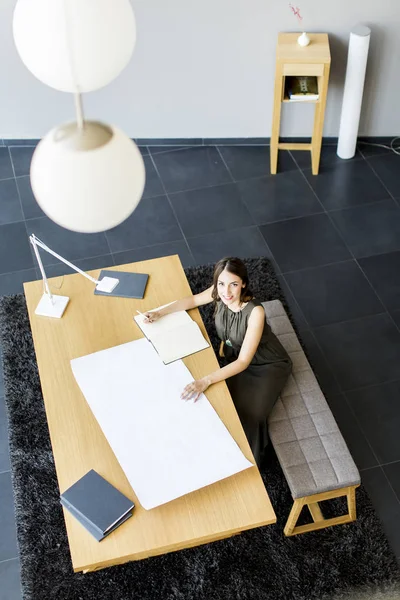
(205, 68)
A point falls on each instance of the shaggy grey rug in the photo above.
(257, 565)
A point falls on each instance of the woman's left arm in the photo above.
(255, 328)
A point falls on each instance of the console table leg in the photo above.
(276, 120)
(319, 121)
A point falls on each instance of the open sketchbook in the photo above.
(174, 336)
(167, 447)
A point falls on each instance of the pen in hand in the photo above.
(147, 319)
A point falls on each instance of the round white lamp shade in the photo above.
(74, 45)
(87, 190)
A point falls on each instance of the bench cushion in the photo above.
(311, 450)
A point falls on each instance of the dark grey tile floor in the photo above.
(335, 242)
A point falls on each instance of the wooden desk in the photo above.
(91, 323)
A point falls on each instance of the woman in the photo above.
(257, 364)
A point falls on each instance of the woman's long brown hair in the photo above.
(236, 267)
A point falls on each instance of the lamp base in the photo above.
(55, 308)
(107, 284)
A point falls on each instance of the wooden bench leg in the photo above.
(294, 515)
(315, 511)
(319, 521)
(351, 503)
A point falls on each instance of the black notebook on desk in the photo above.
(130, 285)
(97, 504)
(90, 527)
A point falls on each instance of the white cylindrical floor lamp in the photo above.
(353, 91)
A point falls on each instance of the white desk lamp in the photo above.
(51, 305)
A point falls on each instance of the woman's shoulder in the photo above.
(253, 303)
(252, 307)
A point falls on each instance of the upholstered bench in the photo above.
(310, 448)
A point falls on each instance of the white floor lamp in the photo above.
(353, 91)
(51, 305)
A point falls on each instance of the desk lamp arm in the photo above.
(52, 305)
(35, 243)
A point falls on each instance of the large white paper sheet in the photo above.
(167, 447)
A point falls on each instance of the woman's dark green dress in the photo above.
(255, 390)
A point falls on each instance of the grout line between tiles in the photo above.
(349, 406)
(23, 213)
(172, 208)
(8, 560)
(361, 152)
(380, 467)
(16, 185)
(183, 148)
(390, 484)
(44, 216)
(370, 468)
(147, 246)
(295, 300)
(379, 178)
(224, 162)
(334, 210)
(337, 262)
(331, 371)
(109, 247)
(317, 327)
(22, 145)
(232, 229)
(311, 214)
(6, 471)
(268, 176)
(370, 385)
(391, 462)
(12, 222)
(271, 255)
(18, 271)
(203, 187)
(379, 298)
(230, 144)
(368, 441)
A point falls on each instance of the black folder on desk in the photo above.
(131, 285)
(97, 504)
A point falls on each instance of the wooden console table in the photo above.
(292, 60)
(92, 323)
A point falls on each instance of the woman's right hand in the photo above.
(152, 316)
